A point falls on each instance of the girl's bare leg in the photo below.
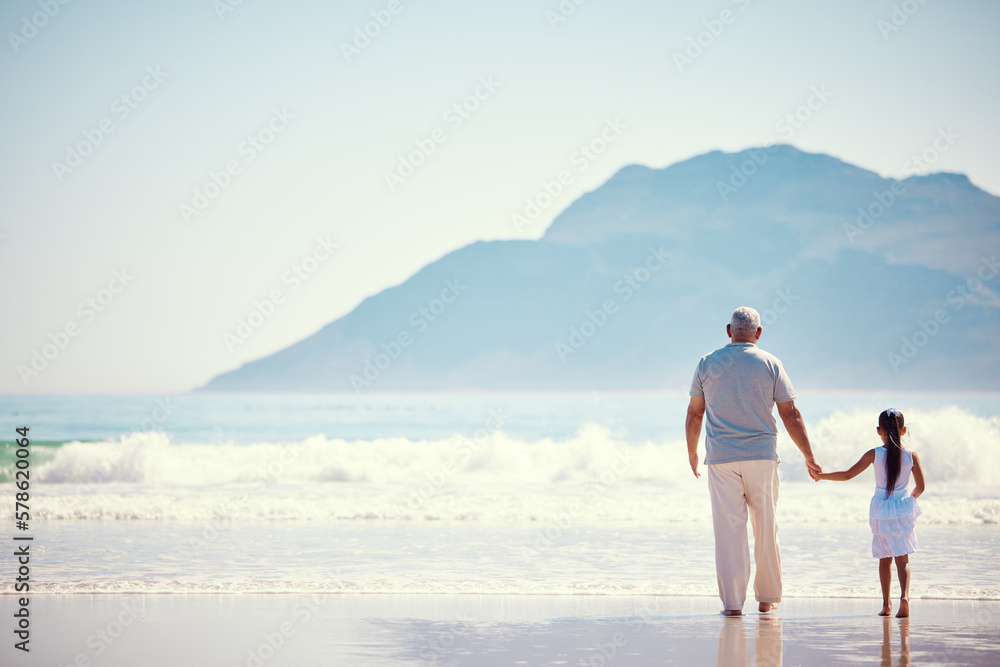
(903, 570)
(885, 578)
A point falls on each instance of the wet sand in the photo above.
(352, 629)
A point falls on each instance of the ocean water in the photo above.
(478, 493)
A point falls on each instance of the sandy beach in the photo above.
(273, 630)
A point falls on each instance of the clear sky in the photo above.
(115, 113)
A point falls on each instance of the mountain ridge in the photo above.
(785, 229)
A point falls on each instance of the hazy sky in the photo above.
(115, 113)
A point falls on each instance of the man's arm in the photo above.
(692, 428)
(796, 428)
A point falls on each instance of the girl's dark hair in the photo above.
(891, 423)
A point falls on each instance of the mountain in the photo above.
(862, 282)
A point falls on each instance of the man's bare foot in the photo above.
(886, 609)
(732, 612)
(904, 608)
(765, 607)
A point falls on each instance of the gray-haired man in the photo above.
(737, 386)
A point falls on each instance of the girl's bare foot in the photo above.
(886, 609)
(732, 612)
(904, 608)
(765, 607)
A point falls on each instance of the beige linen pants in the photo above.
(735, 487)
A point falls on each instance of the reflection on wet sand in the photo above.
(904, 642)
(734, 649)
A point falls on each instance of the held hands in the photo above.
(813, 469)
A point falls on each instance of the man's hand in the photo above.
(813, 468)
(692, 430)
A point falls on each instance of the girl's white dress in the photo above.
(893, 519)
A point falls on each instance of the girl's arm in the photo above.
(918, 476)
(854, 470)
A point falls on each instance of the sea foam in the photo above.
(954, 445)
(495, 477)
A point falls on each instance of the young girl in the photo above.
(893, 510)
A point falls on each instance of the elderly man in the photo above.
(737, 386)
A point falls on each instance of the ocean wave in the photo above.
(955, 447)
(493, 477)
(151, 458)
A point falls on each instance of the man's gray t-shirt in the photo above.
(741, 383)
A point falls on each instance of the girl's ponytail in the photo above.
(891, 423)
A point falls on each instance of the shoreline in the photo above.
(785, 598)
